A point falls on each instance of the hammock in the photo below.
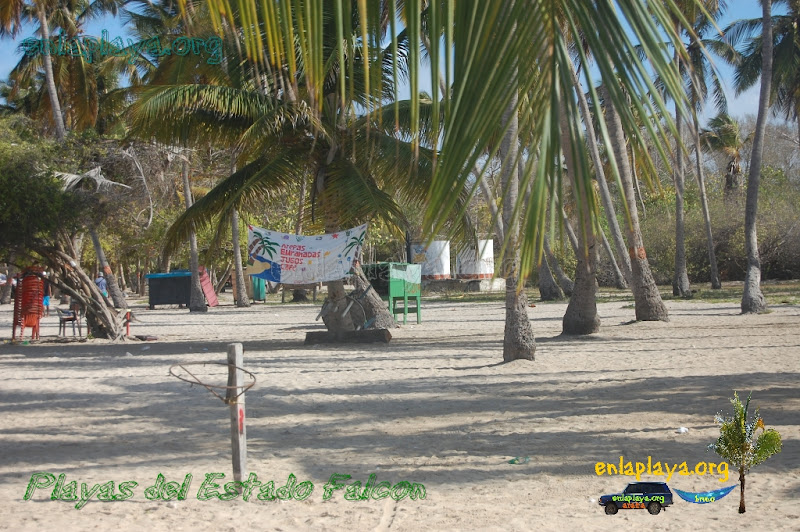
(704, 497)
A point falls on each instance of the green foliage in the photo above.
(738, 443)
(778, 230)
(32, 206)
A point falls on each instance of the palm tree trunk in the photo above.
(58, 119)
(117, 297)
(518, 339)
(741, 490)
(197, 301)
(241, 289)
(701, 183)
(548, 288)
(680, 282)
(619, 278)
(605, 195)
(564, 281)
(648, 303)
(752, 298)
(581, 315)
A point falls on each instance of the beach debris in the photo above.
(128, 354)
(520, 460)
(682, 430)
(145, 348)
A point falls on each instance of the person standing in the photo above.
(101, 284)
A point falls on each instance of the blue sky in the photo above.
(746, 103)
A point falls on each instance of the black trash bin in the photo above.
(171, 288)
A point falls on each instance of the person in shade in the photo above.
(101, 284)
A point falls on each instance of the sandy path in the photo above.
(432, 407)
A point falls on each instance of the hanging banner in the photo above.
(302, 259)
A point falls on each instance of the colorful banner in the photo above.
(302, 259)
(704, 497)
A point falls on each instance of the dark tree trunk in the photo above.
(240, 293)
(564, 281)
(197, 301)
(241, 289)
(741, 490)
(752, 298)
(5, 292)
(548, 288)
(648, 303)
(117, 297)
(518, 339)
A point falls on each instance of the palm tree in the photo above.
(12, 16)
(648, 303)
(724, 134)
(700, 71)
(785, 82)
(680, 280)
(518, 339)
(738, 444)
(752, 299)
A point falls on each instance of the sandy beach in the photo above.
(433, 407)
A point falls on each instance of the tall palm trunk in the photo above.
(58, 118)
(648, 303)
(701, 183)
(197, 301)
(117, 297)
(581, 315)
(752, 298)
(518, 339)
(242, 300)
(241, 289)
(680, 282)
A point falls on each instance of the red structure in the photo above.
(28, 308)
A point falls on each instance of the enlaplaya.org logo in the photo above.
(637, 469)
(88, 47)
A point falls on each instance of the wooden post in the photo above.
(238, 431)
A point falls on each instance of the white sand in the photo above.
(432, 407)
